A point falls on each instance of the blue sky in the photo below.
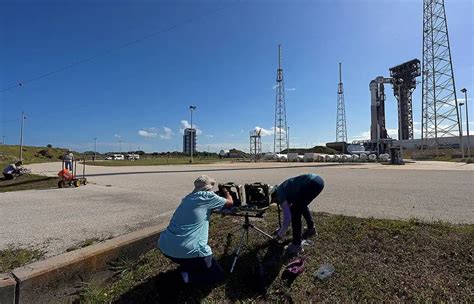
(223, 62)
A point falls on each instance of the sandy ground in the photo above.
(122, 199)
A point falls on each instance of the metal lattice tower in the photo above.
(255, 144)
(341, 130)
(279, 138)
(440, 117)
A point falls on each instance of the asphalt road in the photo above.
(122, 199)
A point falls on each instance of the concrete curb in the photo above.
(39, 282)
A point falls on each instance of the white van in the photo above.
(118, 157)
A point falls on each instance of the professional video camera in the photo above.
(235, 191)
(257, 201)
(257, 195)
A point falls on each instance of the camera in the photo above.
(235, 191)
(257, 195)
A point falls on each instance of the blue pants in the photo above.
(300, 208)
(68, 165)
(202, 270)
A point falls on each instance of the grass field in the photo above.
(375, 260)
(156, 161)
(10, 154)
(28, 182)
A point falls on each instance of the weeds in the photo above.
(12, 257)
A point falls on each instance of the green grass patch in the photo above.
(87, 242)
(11, 258)
(28, 182)
(11, 153)
(155, 161)
(375, 260)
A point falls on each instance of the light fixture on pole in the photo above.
(467, 123)
(192, 133)
(460, 128)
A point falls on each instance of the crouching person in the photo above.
(294, 195)
(185, 239)
(13, 170)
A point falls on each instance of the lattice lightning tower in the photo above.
(279, 138)
(440, 117)
(341, 130)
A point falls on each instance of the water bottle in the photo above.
(324, 271)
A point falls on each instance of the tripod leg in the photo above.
(261, 232)
(237, 251)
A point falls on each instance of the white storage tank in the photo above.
(330, 158)
(309, 157)
(384, 157)
(282, 157)
(346, 157)
(322, 157)
(292, 157)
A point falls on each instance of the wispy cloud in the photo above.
(117, 136)
(167, 133)
(148, 133)
(185, 124)
(264, 132)
(153, 132)
(209, 136)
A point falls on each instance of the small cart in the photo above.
(70, 178)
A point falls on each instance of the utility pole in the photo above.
(95, 148)
(467, 124)
(193, 134)
(120, 145)
(279, 137)
(460, 129)
(21, 134)
(288, 140)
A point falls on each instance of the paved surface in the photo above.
(122, 199)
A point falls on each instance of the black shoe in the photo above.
(308, 233)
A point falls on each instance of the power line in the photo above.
(125, 45)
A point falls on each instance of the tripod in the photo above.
(246, 226)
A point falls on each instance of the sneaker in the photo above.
(308, 233)
(294, 249)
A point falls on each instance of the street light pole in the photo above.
(191, 141)
(288, 140)
(21, 135)
(467, 124)
(460, 128)
(95, 148)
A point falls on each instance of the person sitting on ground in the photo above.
(294, 195)
(13, 170)
(185, 239)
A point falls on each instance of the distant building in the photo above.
(189, 138)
